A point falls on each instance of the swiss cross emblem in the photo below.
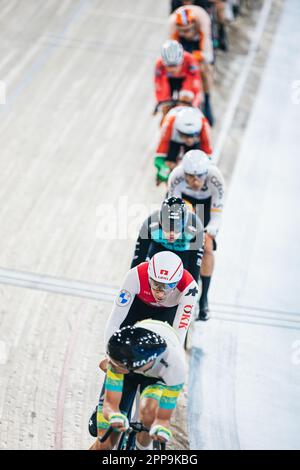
(163, 272)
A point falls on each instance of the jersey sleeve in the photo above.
(174, 375)
(197, 245)
(165, 136)
(192, 81)
(206, 137)
(160, 92)
(217, 187)
(173, 33)
(142, 244)
(186, 307)
(173, 184)
(114, 381)
(122, 303)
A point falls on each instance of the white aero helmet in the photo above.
(165, 268)
(172, 53)
(189, 121)
(196, 162)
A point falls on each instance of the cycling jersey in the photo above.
(151, 240)
(201, 42)
(170, 134)
(136, 285)
(189, 73)
(213, 188)
(168, 369)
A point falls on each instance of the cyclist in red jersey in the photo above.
(176, 70)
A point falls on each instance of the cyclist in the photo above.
(152, 350)
(184, 128)
(172, 228)
(201, 184)
(176, 70)
(160, 289)
(214, 8)
(191, 26)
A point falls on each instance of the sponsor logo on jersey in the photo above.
(124, 297)
(185, 317)
(193, 292)
(218, 184)
(164, 363)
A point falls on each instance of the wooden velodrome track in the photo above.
(77, 141)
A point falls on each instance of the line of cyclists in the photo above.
(173, 260)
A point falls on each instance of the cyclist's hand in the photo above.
(211, 230)
(119, 422)
(160, 433)
(103, 364)
(198, 55)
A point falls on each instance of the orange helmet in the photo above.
(184, 16)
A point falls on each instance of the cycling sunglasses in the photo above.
(200, 175)
(185, 29)
(193, 135)
(161, 286)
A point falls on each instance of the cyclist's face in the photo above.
(159, 295)
(171, 236)
(187, 31)
(195, 181)
(173, 69)
(159, 290)
(189, 140)
(119, 368)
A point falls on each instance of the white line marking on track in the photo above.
(57, 285)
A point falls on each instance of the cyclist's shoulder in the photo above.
(190, 62)
(142, 269)
(199, 12)
(170, 366)
(186, 282)
(162, 328)
(194, 224)
(152, 221)
(177, 175)
(215, 173)
(159, 65)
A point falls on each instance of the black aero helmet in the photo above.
(173, 215)
(133, 347)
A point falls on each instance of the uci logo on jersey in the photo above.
(124, 297)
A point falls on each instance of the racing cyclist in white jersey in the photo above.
(198, 182)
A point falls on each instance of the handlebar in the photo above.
(106, 435)
(133, 427)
